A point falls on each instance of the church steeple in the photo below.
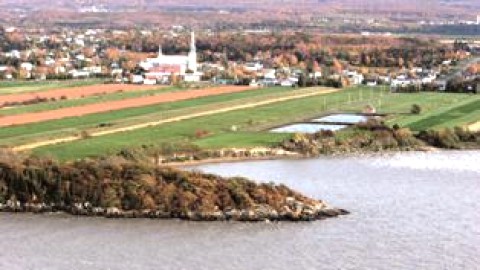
(192, 55)
(160, 53)
(193, 48)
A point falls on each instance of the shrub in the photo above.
(463, 134)
(448, 139)
(200, 133)
(85, 135)
(416, 109)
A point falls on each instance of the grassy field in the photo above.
(468, 112)
(12, 87)
(27, 133)
(251, 124)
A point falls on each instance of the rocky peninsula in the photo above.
(117, 188)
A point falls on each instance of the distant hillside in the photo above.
(227, 14)
(338, 4)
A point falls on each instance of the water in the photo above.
(339, 121)
(342, 118)
(307, 128)
(409, 211)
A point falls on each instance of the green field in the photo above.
(438, 110)
(13, 87)
(70, 126)
(252, 123)
(468, 112)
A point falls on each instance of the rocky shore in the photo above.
(292, 211)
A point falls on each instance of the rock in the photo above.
(330, 212)
(14, 205)
(290, 201)
(98, 211)
(232, 214)
(113, 212)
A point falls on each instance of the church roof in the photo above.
(169, 60)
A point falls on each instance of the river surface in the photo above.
(409, 211)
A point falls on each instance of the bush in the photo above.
(85, 135)
(200, 133)
(416, 109)
(444, 138)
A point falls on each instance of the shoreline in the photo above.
(294, 211)
(298, 156)
(191, 163)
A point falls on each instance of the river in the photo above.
(409, 211)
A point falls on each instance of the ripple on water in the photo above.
(453, 161)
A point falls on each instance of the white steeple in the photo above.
(192, 55)
(160, 53)
(192, 42)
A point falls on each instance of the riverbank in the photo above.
(365, 138)
(116, 188)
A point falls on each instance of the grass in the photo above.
(461, 114)
(251, 123)
(241, 139)
(26, 133)
(15, 87)
(435, 108)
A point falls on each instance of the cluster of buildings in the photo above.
(86, 54)
(452, 22)
(416, 78)
(75, 55)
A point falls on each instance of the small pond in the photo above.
(342, 118)
(332, 122)
(306, 128)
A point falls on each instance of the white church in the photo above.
(163, 67)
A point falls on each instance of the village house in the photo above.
(254, 67)
(353, 77)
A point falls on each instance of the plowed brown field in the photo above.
(116, 105)
(74, 92)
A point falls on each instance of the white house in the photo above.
(27, 66)
(137, 79)
(269, 74)
(354, 77)
(79, 73)
(93, 69)
(254, 67)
